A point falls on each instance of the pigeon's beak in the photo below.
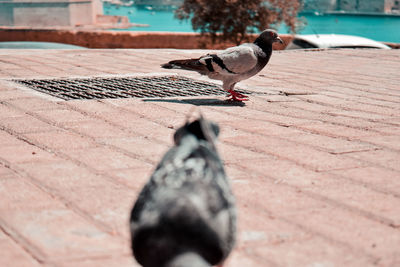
(278, 39)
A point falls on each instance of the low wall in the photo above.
(116, 39)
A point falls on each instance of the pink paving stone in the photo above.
(383, 158)
(388, 141)
(107, 260)
(241, 154)
(140, 146)
(9, 112)
(34, 104)
(104, 159)
(134, 178)
(330, 144)
(59, 233)
(379, 177)
(90, 106)
(59, 177)
(264, 116)
(11, 251)
(26, 124)
(6, 172)
(301, 154)
(18, 194)
(150, 130)
(359, 233)
(260, 127)
(25, 153)
(83, 191)
(60, 140)
(311, 252)
(9, 139)
(62, 116)
(389, 130)
(17, 94)
(95, 129)
(282, 200)
(156, 113)
(337, 130)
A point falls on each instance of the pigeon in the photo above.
(185, 215)
(233, 64)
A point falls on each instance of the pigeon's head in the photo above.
(269, 36)
(200, 128)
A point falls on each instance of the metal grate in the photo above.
(124, 87)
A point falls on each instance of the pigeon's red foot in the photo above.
(236, 96)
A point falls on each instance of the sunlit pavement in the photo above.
(314, 158)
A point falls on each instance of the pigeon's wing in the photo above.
(234, 60)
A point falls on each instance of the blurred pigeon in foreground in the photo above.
(185, 215)
(233, 64)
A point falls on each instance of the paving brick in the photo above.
(260, 127)
(18, 194)
(299, 153)
(384, 158)
(9, 139)
(10, 251)
(59, 176)
(337, 130)
(150, 130)
(25, 153)
(388, 141)
(62, 116)
(379, 177)
(51, 232)
(6, 172)
(34, 104)
(95, 129)
(60, 140)
(109, 260)
(241, 154)
(312, 252)
(330, 144)
(140, 146)
(79, 187)
(390, 130)
(134, 177)
(361, 234)
(104, 159)
(9, 112)
(26, 124)
(17, 94)
(90, 106)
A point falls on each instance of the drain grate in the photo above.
(124, 87)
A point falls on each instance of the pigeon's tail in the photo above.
(187, 259)
(186, 64)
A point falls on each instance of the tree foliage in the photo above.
(233, 20)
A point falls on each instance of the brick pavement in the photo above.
(314, 161)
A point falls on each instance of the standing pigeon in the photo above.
(185, 215)
(233, 64)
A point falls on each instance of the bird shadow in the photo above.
(199, 102)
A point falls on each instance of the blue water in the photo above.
(380, 28)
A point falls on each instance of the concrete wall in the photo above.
(319, 5)
(45, 13)
(348, 5)
(114, 39)
(6, 14)
(371, 5)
